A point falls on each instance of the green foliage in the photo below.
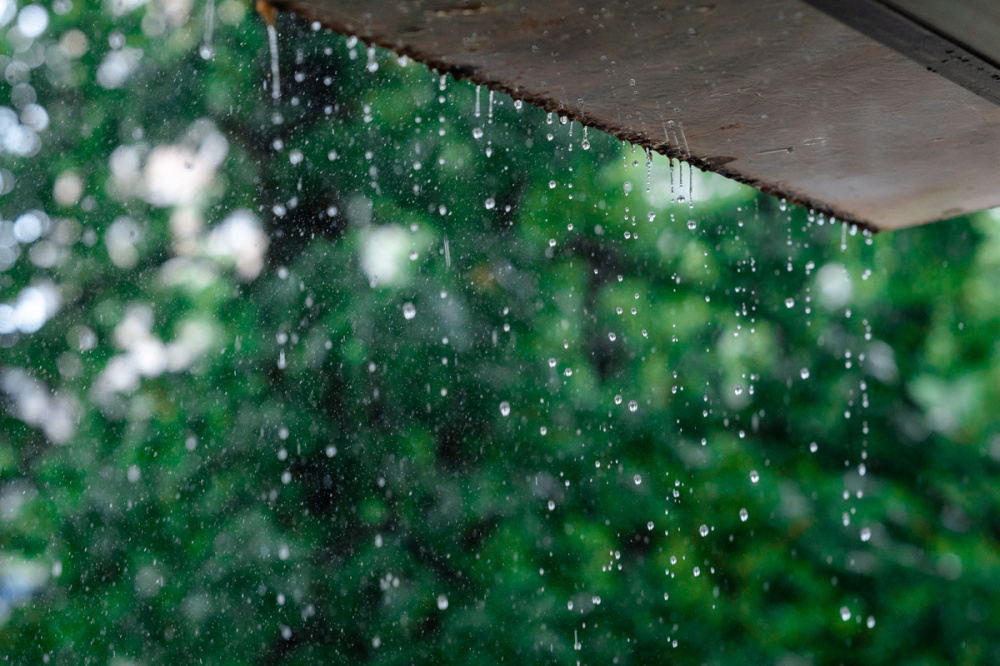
(485, 399)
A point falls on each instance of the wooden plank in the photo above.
(923, 43)
(774, 93)
(974, 24)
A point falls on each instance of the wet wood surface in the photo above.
(773, 93)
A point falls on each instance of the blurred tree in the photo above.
(391, 369)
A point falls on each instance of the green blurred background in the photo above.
(358, 376)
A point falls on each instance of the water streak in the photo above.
(207, 50)
(272, 41)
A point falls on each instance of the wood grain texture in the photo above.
(773, 93)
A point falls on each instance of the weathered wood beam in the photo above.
(774, 93)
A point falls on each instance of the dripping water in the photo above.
(269, 14)
(690, 186)
(673, 196)
(272, 41)
(207, 50)
(649, 167)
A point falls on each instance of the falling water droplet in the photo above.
(738, 389)
(866, 534)
(692, 225)
(552, 363)
(804, 373)
(490, 203)
(845, 613)
(207, 50)
(789, 302)
(505, 408)
(697, 571)
(744, 515)
(627, 186)
(754, 476)
(272, 41)
(813, 447)
(552, 505)
(442, 602)
(477, 133)
(409, 311)
(618, 400)
(638, 479)
(703, 530)
(632, 405)
(612, 337)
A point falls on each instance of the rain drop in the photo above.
(703, 530)
(490, 203)
(744, 515)
(738, 389)
(866, 534)
(612, 337)
(632, 405)
(789, 302)
(505, 408)
(813, 447)
(804, 373)
(692, 225)
(638, 479)
(618, 400)
(845, 613)
(442, 602)
(754, 476)
(409, 311)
